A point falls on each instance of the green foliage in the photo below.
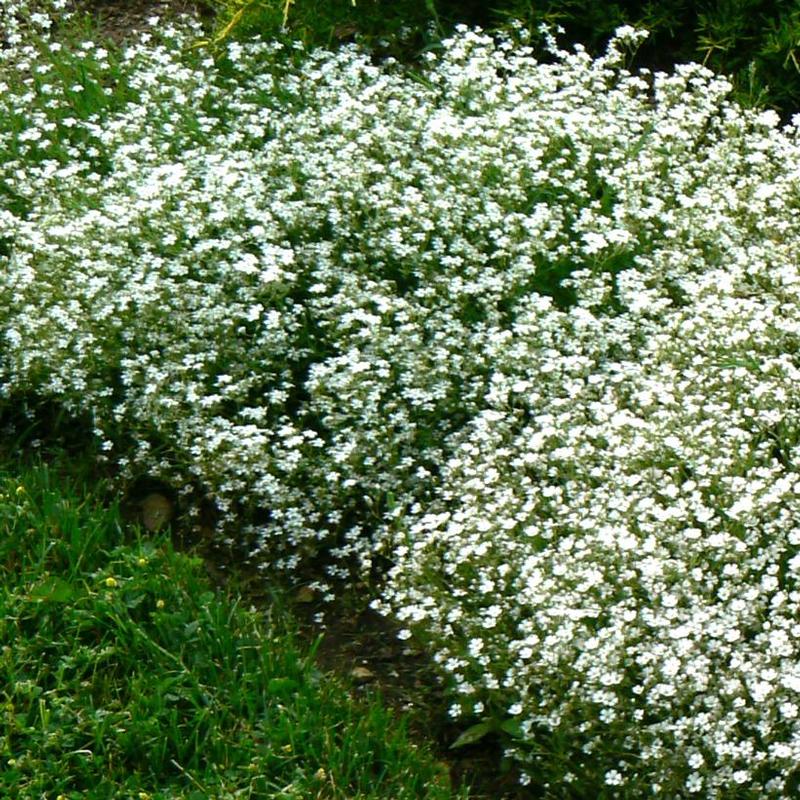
(122, 674)
(753, 41)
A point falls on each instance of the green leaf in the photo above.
(53, 590)
(134, 601)
(282, 686)
(473, 734)
(513, 727)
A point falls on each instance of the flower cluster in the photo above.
(527, 331)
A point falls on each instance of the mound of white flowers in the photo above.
(527, 331)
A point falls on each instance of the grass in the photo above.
(124, 674)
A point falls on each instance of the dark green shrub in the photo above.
(754, 41)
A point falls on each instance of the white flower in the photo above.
(614, 778)
(696, 760)
(694, 783)
(741, 507)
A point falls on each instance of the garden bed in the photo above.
(505, 345)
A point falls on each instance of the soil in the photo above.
(362, 648)
(121, 20)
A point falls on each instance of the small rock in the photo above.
(362, 674)
(157, 511)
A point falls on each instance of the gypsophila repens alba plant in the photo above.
(527, 331)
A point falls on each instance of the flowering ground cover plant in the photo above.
(523, 332)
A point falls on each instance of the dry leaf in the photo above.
(305, 594)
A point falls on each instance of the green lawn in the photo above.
(124, 674)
